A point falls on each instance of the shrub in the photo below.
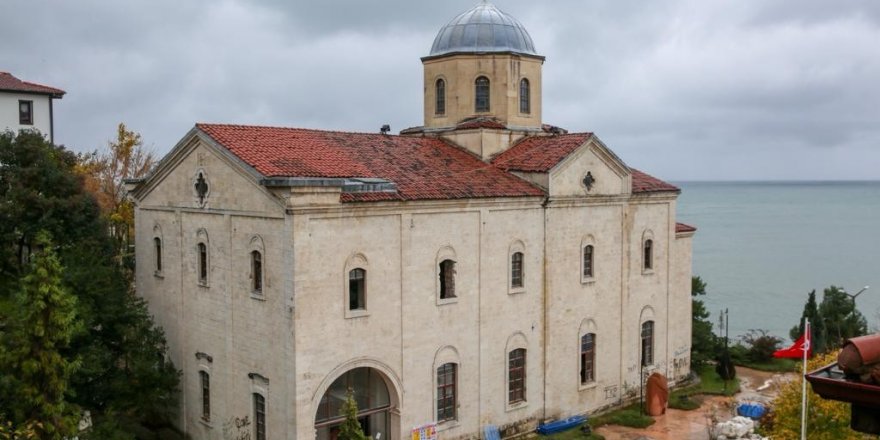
(761, 345)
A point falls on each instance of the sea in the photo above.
(761, 247)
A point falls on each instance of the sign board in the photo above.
(425, 432)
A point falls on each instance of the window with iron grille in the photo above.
(357, 289)
(588, 358)
(257, 271)
(647, 343)
(157, 245)
(446, 390)
(588, 261)
(482, 94)
(516, 270)
(649, 254)
(26, 112)
(525, 105)
(516, 376)
(440, 92)
(447, 279)
(259, 417)
(203, 263)
(206, 395)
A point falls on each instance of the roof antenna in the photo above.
(385, 129)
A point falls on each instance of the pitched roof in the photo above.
(12, 84)
(681, 228)
(644, 183)
(539, 154)
(422, 168)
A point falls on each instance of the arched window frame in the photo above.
(588, 259)
(588, 327)
(158, 250)
(257, 281)
(516, 399)
(356, 262)
(440, 97)
(259, 405)
(525, 97)
(203, 258)
(648, 252)
(445, 276)
(647, 338)
(446, 395)
(482, 94)
(516, 249)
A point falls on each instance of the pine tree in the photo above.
(351, 427)
(817, 325)
(704, 343)
(41, 323)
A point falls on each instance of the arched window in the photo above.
(257, 271)
(205, 380)
(516, 270)
(516, 376)
(259, 417)
(440, 95)
(649, 255)
(203, 263)
(447, 382)
(647, 343)
(588, 358)
(357, 289)
(157, 246)
(447, 279)
(588, 261)
(525, 104)
(481, 94)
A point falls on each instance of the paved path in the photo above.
(694, 425)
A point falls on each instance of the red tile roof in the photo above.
(643, 183)
(682, 228)
(539, 154)
(10, 83)
(422, 168)
(480, 122)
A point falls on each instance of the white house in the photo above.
(485, 268)
(27, 105)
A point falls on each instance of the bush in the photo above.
(761, 345)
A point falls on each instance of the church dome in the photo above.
(484, 28)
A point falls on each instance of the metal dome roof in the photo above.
(484, 28)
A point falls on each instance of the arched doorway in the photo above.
(376, 405)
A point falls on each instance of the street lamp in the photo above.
(857, 294)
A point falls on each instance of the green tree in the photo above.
(704, 343)
(351, 427)
(41, 323)
(817, 325)
(840, 317)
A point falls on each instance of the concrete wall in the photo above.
(9, 117)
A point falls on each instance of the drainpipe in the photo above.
(546, 303)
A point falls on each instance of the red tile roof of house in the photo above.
(644, 183)
(422, 168)
(681, 228)
(539, 154)
(480, 122)
(10, 83)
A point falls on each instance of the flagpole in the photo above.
(806, 348)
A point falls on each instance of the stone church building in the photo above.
(485, 268)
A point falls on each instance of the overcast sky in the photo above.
(683, 89)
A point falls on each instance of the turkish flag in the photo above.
(796, 351)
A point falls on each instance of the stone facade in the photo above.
(287, 330)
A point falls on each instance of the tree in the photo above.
(105, 175)
(826, 419)
(351, 427)
(704, 343)
(760, 345)
(41, 323)
(817, 325)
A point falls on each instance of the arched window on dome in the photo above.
(481, 86)
(525, 104)
(440, 95)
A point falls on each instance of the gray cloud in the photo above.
(685, 89)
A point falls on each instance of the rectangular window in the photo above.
(649, 254)
(446, 388)
(158, 245)
(203, 263)
(206, 395)
(588, 261)
(647, 343)
(257, 271)
(259, 417)
(26, 112)
(447, 279)
(588, 358)
(516, 376)
(516, 270)
(357, 285)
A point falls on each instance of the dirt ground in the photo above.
(756, 386)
